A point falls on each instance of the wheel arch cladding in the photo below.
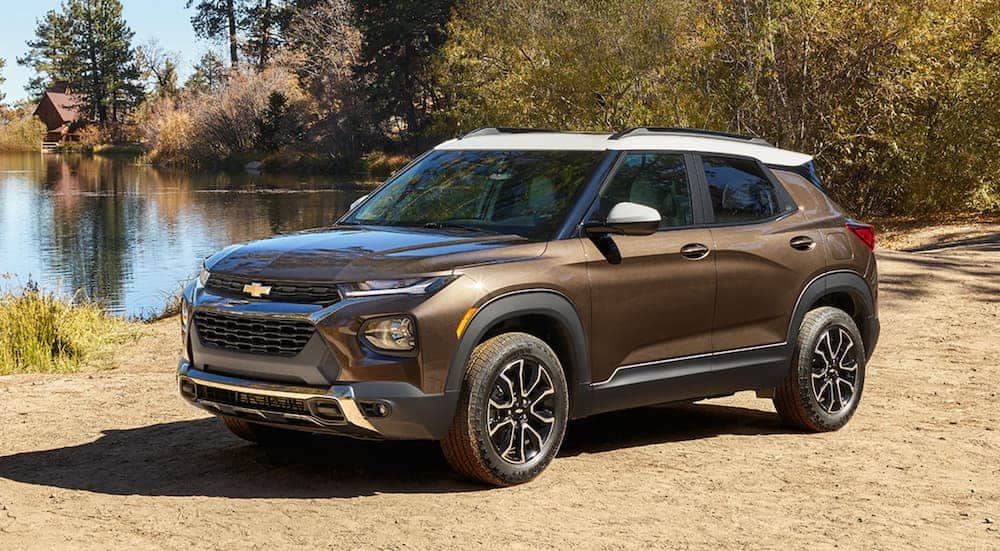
(831, 290)
(523, 311)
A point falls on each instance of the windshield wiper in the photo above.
(454, 225)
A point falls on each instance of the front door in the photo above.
(653, 296)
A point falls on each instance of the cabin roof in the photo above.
(67, 105)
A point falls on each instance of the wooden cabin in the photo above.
(59, 109)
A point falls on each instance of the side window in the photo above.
(657, 180)
(739, 189)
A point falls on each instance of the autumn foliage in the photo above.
(898, 101)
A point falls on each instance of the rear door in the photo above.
(765, 252)
(656, 301)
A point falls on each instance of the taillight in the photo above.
(865, 232)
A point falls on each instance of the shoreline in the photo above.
(375, 165)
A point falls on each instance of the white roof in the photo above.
(528, 141)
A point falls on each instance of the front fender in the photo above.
(549, 303)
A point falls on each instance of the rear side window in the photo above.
(657, 180)
(739, 190)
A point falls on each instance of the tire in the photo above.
(259, 434)
(827, 375)
(527, 427)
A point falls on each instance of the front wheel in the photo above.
(823, 387)
(512, 411)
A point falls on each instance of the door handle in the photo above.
(694, 251)
(802, 243)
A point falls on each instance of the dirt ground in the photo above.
(116, 459)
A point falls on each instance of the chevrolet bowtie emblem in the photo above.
(256, 290)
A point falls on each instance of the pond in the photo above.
(127, 235)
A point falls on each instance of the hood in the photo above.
(357, 253)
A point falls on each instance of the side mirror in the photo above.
(628, 219)
(357, 202)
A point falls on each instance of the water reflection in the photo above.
(127, 234)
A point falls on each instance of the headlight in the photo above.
(185, 312)
(203, 276)
(377, 287)
(394, 333)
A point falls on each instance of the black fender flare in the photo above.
(550, 303)
(846, 281)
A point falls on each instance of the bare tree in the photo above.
(158, 66)
(322, 46)
(322, 42)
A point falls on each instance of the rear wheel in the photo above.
(823, 387)
(512, 411)
(259, 434)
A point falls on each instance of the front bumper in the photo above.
(391, 410)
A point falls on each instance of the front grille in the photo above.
(306, 292)
(253, 401)
(253, 335)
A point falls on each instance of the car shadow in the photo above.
(984, 243)
(199, 458)
(665, 424)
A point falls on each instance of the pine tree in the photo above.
(209, 73)
(88, 46)
(399, 40)
(50, 54)
(263, 20)
(110, 76)
(217, 20)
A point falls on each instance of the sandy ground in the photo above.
(116, 459)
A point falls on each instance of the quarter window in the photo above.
(657, 180)
(740, 191)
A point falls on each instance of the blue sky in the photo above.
(165, 20)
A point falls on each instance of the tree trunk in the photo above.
(233, 53)
(96, 93)
(265, 35)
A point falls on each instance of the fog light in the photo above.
(188, 390)
(375, 409)
(394, 334)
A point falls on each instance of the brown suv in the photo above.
(511, 280)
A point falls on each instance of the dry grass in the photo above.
(45, 333)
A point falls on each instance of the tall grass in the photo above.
(41, 332)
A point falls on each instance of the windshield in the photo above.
(526, 193)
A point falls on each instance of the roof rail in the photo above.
(651, 130)
(491, 130)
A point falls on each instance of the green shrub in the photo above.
(119, 150)
(44, 333)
